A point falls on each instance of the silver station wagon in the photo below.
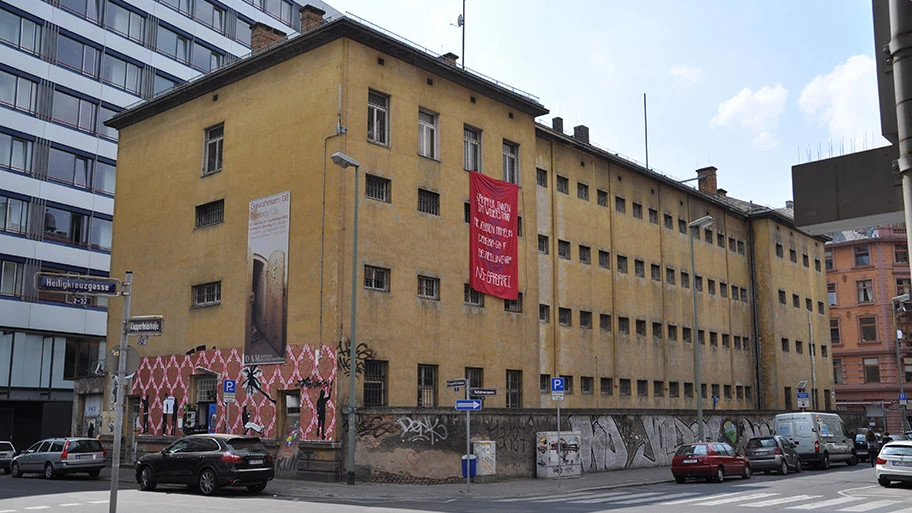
(56, 456)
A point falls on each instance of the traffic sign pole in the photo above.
(468, 438)
(121, 392)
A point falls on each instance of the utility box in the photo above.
(486, 452)
(558, 456)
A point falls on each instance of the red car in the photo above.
(709, 460)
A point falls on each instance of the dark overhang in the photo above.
(324, 34)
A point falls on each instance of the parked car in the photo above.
(56, 456)
(819, 438)
(769, 453)
(894, 463)
(7, 453)
(861, 445)
(210, 462)
(712, 461)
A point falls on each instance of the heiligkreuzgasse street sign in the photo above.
(77, 284)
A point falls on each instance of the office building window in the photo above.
(376, 278)
(514, 388)
(510, 162)
(207, 294)
(375, 383)
(428, 202)
(214, 141)
(378, 105)
(472, 296)
(69, 168)
(120, 73)
(378, 188)
(20, 32)
(871, 370)
(427, 385)
(865, 291)
(427, 134)
(17, 92)
(868, 326)
(210, 213)
(14, 215)
(126, 22)
(210, 15)
(11, 275)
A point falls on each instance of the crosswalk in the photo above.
(745, 499)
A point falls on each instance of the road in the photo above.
(841, 489)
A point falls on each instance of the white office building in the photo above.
(66, 66)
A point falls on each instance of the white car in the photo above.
(7, 453)
(894, 463)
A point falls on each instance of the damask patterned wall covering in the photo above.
(307, 368)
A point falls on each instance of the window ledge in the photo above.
(427, 157)
(208, 305)
(380, 144)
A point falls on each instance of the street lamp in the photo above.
(344, 161)
(900, 371)
(703, 222)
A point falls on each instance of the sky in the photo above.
(751, 88)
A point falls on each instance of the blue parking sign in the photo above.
(230, 386)
(557, 384)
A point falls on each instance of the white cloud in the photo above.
(845, 99)
(686, 75)
(756, 112)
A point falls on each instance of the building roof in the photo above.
(348, 26)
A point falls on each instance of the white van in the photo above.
(819, 438)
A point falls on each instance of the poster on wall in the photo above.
(492, 234)
(267, 279)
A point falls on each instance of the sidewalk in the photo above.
(501, 489)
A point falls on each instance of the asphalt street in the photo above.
(841, 489)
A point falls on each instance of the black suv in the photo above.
(208, 461)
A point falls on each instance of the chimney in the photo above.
(581, 133)
(262, 35)
(449, 58)
(311, 17)
(706, 178)
(722, 192)
(558, 124)
(789, 204)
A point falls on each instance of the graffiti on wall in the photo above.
(160, 378)
(362, 352)
(423, 429)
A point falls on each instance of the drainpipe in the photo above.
(755, 322)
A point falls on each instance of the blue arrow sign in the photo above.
(557, 384)
(468, 405)
(804, 395)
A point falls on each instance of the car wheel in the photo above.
(93, 474)
(208, 482)
(147, 481)
(680, 479)
(747, 473)
(825, 464)
(720, 475)
(15, 470)
(852, 461)
(883, 482)
(257, 488)
(784, 468)
(798, 467)
(49, 472)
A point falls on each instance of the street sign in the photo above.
(229, 389)
(903, 400)
(456, 382)
(557, 384)
(145, 325)
(77, 284)
(557, 396)
(804, 399)
(468, 405)
(484, 391)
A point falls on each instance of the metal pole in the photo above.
(695, 339)
(560, 468)
(463, 34)
(120, 391)
(899, 365)
(468, 435)
(646, 130)
(352, 352)
(813, 363)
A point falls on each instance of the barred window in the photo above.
(206, 389)
(375, 383)
(582, 191)
(544, 313)
(604, 259)
(563, 316)
(620, 204)
(586, 385)
(514, 389)
(637, 210)
(473, 297)
(585, 320)
(207, 294)
(427, 385)
(563, 184)
(376, 278)
(428, 202)
(563, 249)
(541, 177)
(584, 254)
(605, 322)
(544, 383)
(607, 386)
(377, 188)
(428, 287)
(513, 305)
(602, 198)
(210, 213)
(543, 244)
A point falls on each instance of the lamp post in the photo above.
(700, 223)
(344, 161)
(900, 374)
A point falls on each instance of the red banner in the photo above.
(492, 237)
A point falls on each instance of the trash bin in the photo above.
(473, 465)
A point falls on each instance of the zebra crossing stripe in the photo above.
(827, 504)
(588, 496)
(781, 500)
(711, 497)
(536, 498)
(612, 499)
(665, 497)
(869, 506)
(749, 497)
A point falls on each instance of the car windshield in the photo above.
(859, 438)
(896, 450)
(691, 450)
(6, 446)
(246, 445)
(756, 443)
(80, 446)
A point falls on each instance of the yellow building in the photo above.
(238, 229)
